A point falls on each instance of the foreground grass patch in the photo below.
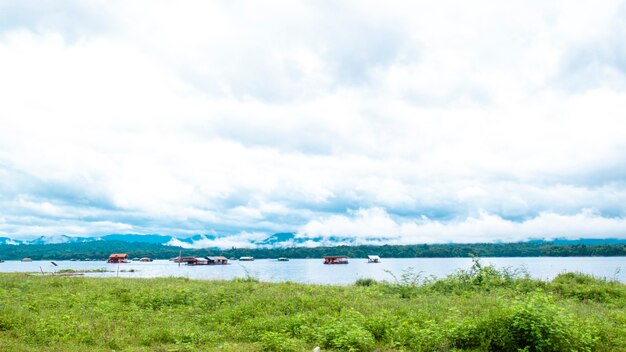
(480, 310)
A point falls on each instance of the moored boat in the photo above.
(373, 259)
(217, 260)
(335, 259)
(118, 258)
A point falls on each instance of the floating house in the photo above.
(189, 260)
(145, 259)
(219, 260)
(373, 259)
(246, 259)
(118, 258)
(335, 259)
(198, 261)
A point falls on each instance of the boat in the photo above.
(373, 259)
(145, 259)
(217, 260)
(118, 258)
(283, 259)
(27, 260)
(198, 261)
(246, 259)
(183, 259)
(335, 259)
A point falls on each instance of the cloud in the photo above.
(378, 226)
(231, 117)
(240, 240)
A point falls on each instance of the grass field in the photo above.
(480, 309)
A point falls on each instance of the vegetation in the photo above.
(102, 250)
(480, 309)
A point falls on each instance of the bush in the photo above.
(277, 342)
(365, 282)
(588, 288)
(531, 324)
(484, 278)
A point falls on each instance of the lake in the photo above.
(313, 271)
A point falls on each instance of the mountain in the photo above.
(6, 240)
(277, 240)
(58, 239)
(157, 239)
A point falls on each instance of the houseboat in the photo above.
(219, 260)
(335, 259)
(373, 259)
(198, 261)
(117, 258)
(246, 259)
(189, 260)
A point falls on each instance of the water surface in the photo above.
(313, 271)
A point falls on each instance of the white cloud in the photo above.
(194, 117)
(241, 240)
(379, 226)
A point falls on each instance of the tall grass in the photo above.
(480, 309)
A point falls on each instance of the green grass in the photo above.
(481, 309)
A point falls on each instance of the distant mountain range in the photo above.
(277, 240)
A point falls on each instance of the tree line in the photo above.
(101, 250)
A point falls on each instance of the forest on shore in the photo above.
(100, 250)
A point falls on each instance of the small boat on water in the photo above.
(335, 259)
(283, 259)
(145, 259)
(246, 259)
(184, 259)
(217, 260)
(118, 258)
(373, 259)
(27, 260)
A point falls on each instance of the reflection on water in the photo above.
(314, 271)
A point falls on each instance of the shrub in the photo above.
(277, 342)
(534, 323)
(588, 288)
(365, 282)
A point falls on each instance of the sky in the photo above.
(418, 122)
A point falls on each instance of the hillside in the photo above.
(102, 249)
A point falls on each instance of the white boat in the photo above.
(373, 259)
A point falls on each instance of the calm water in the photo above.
(313, 271)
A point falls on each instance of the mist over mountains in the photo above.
(277, 240)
